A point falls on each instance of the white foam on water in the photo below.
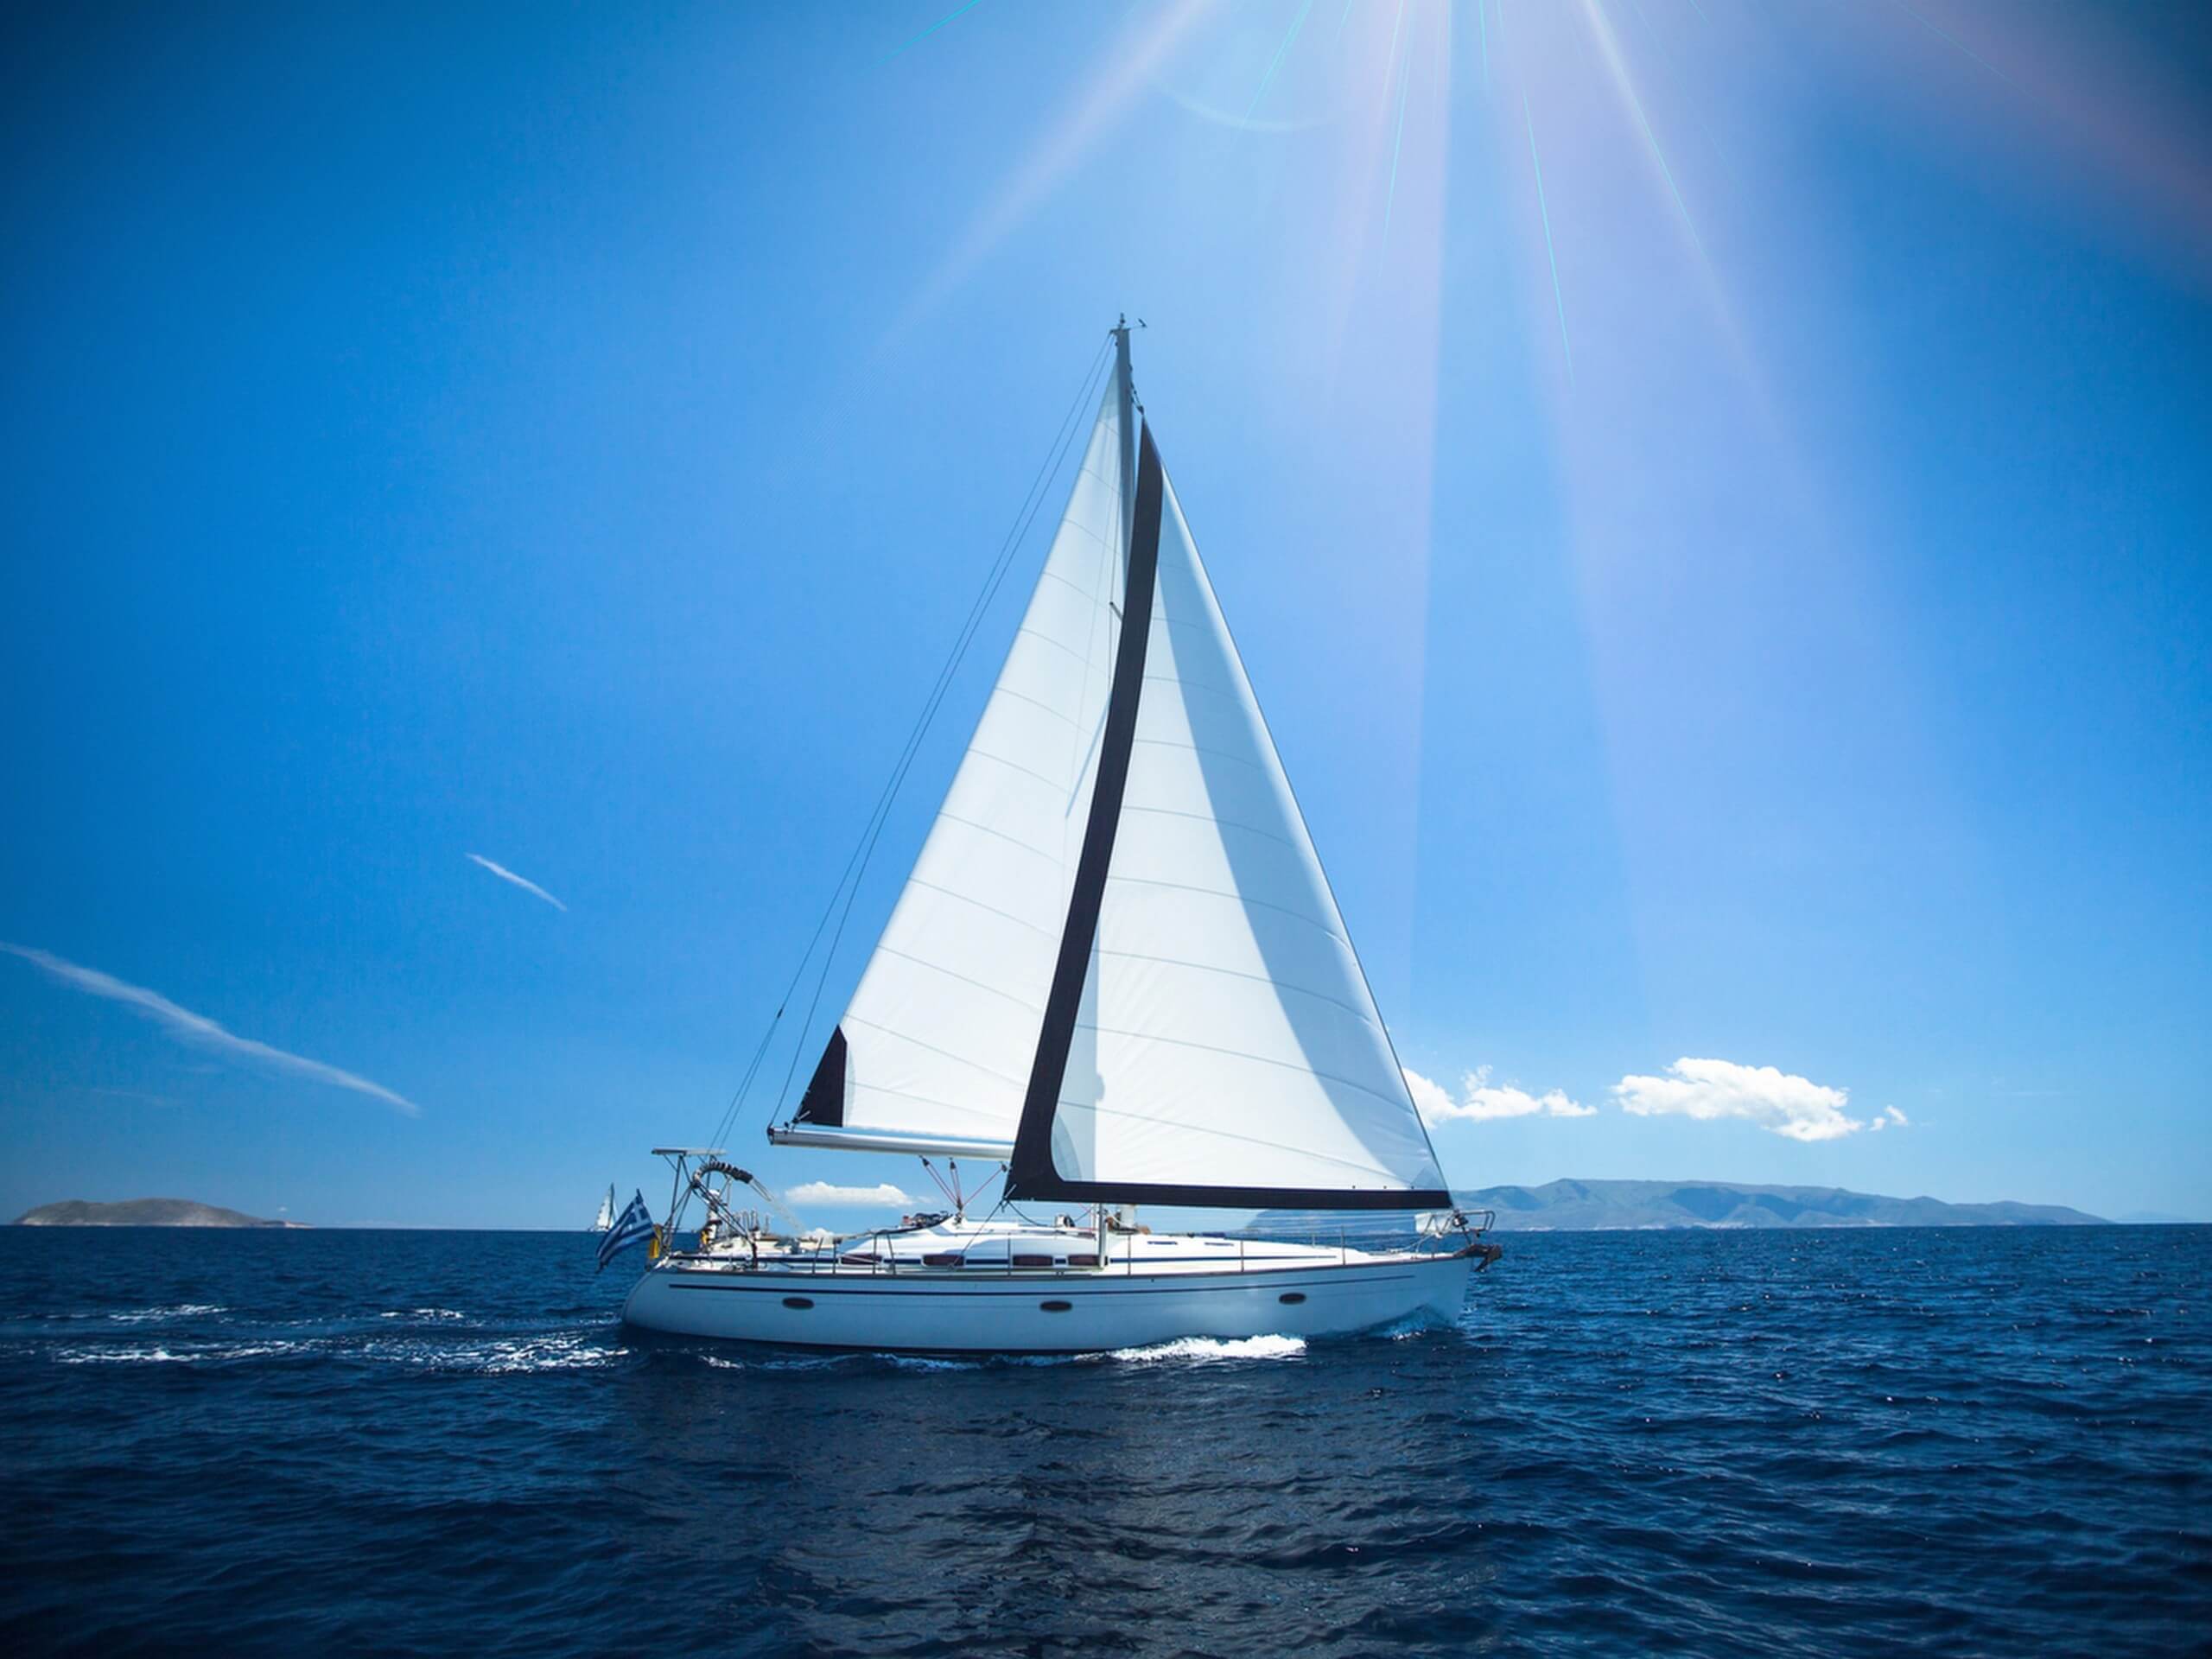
(787, 1361)
(120, 1357)
(253, 1350)
(560, 1351)
(1203, 1349)
(423, 1314)
(205, 1353)
(155, 1315)
(1189, 1350)
(567, 1353)
(1419, 1323)
(931, 1362)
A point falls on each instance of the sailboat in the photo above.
(1118, 973)
(605, 1223)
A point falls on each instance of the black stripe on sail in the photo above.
(824, 1099)
(1030, 1174)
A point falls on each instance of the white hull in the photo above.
(1045, 1312)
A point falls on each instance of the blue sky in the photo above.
(1712, 496)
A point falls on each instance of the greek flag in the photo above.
(634, 1224)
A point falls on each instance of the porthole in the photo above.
(1291, 1298)
(801, 1302)
(1056, 1307)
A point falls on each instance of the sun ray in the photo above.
(1604, 31)
(1398, 141)
(1946, 36)
(1442, 78)
(966, 6)
(1559, 296)
(1268, 79)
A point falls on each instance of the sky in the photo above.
(1713, 498)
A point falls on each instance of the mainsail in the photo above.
(1118, 961)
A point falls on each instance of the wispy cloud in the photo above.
(132, 1094)
(1712, 1090)
(184, 1024)
(882, 1196)
(1887, 1115)
(1481, 1099)
(522, 881)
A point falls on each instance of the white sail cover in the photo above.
(938, 1042)
(1226, 1037)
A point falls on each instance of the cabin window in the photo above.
(1033, 1260)
(1056, 1307)
(1076, 1260)
(1292, 1297)
(799, 1302)
(949, 1260)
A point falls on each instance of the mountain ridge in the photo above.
(1569, 1205)
(1573, 1205)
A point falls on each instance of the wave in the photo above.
(195, 1354)
(159, 1315)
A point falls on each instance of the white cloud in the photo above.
(881, 1196)
(1887, 1115)
(1709, 1089)
(1484, 1100)
(522, 881)
(199, 1028)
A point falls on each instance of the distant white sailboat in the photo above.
(605, 1223)
(1116, 969)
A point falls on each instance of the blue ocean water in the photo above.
(1965, 1440)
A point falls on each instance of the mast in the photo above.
(1125, 397)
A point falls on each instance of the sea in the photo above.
(1969, 1440)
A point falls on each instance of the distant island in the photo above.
(142, 1212)
(1563, 1207)
(1618, 1207)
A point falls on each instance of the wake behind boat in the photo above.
(1117, 970)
